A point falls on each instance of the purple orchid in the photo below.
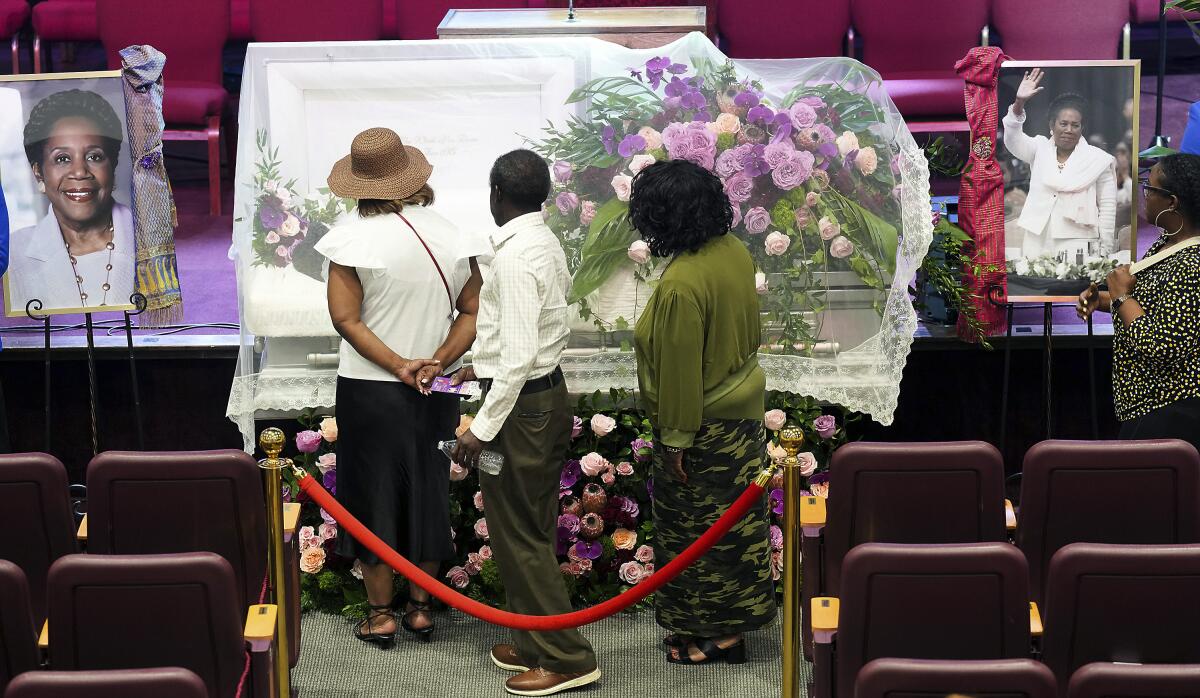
(760, 114)
(609, 136)
(589, 551)
(570, 475)
(777, 502)
(693, 99)
(271, 217)
(631, 145)
(635, 73)
(746, 98)
(828, 150)
(329, 481)
(676, 68)
(753, 163)
(783, 127)
(654, 70)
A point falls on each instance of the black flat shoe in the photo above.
(383, 640)
(423, 634)
(733, 654)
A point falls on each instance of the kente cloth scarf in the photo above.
(154, 218)
(981, 192)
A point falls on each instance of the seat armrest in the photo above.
(260, 626)
(44, 636)
(825, 611)
(1010, 516)
(81, 533)
(291, 518)
(812, 515)
(1035, 620)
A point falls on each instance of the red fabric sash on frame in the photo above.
(981, 193)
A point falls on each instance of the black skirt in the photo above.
(390, 473)
(1178, 420)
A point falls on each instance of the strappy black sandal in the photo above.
(423, 634)
(676, 640)
(383, 640)
(733, 654)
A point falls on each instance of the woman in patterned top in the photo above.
(1156, 314)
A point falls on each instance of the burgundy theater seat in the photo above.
(1033, 29)
(190, 501)
(35, 516)
(136, 611)
(936, 678)
(13, 14)
(419, 20)
(950, 601)
(1105, 680)
(951, 492)
(18, 639)
(316, 20)
(62, 20)
(797, 29)
(1106, 492)
(167, 682)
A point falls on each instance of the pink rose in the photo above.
(475, 562)
(327, 462)
(602, 424)
(794, 171)
(640, 162)
(778, 153)
(632, 573)
(328, 531)
(639, 252)
(308, 441)
(607, 477)
(576, 427)
(802, 217)
(846, 143)
(485, 552)
(829, 229)
(841, 247)
(808, 463)
(458, 577)
(866, 161)
(272, 237)
(481, 529)
(812, 199)
(739, 187)
(760, 283)
(649, 568)
(457, 472)
(776, 564)
(593, 464)
(644, 554)
(692, 142)
(624, 469)
(725, 123)
(775, 419)
(307, 533)
(328, 429)
(478, 500)
(356, 570)
(566, 202)
(775, 534)
(802, 115)
(622, 184)
(290, 226)
(757, 220)
(561, 171)
(653, 138)
(737, 215)
(777, 243)
(282, 251)
(587, 212)
(825, 426)
(312, 559)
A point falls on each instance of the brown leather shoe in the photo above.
(507, 658)
(541, 682)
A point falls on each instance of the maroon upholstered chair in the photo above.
(937, 678)
(1061, 30)
(166, 682)
(35, 515)
(1106, 680)
(950, 601)
(192, 34)
(954, 493)
(182, 610)
(13, 14)
(797, 29)
(1121, 603)
(919, 74)
(239, 20)
(316, 20)
(18, 639)
(62, 20)
(1106, 492)
(419, 20)
(177, 502)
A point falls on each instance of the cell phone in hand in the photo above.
(469, 389)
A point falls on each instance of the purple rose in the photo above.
(814, 102)
(802, 115)
(271, 217)
(589, 551)
(757, 220)
(327, 517)
(629, 507)
(777, 153)
(739, 187)
(308, 441)
(825, 426)
(729, 162)
(777, 501)
(692, 142)
(562, 171)
(794, 171)
(631, 144)
(641, 449)
(776, 535)
(566, 202)
(825, 134)
(737, 215)
(587, 213)
(570, 523)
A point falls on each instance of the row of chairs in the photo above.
(953, 493)
(143, 504)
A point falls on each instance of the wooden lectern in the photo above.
(633, 27)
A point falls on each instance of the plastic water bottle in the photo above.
(490, 462)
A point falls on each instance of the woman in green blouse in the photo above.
(1156, 313)
(697, 342)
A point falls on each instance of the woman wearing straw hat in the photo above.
(403, 289)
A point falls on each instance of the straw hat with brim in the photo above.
(379, 166)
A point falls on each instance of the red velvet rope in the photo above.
(520, 621)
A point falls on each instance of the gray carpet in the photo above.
(335, 665)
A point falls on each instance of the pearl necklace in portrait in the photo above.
(83, 296)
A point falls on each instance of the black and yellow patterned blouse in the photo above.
(1156, 358)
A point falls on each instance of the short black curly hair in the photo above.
(72, 103)
(677, 206)
(1181, 177)
(522, 177)
(1069, 100)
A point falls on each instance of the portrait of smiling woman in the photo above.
(81, 252)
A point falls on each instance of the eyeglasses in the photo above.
(1147, 187)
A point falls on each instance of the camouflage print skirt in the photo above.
(728, 590)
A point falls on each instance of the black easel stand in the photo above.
(138, 301)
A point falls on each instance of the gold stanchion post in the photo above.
(271, 441)
(791, 438)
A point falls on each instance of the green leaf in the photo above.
(608, 240)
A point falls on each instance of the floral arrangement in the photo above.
(605, 531)
(1047, 266)
(286, 225)
(811, 182)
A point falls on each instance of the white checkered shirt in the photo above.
(522, 326)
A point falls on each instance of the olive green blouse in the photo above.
(697, 342)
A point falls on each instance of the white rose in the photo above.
(777, 243)
(846, 143)
(602, 424)
(622, 184)
(760, 283)
(639, 251)
(640, 162)
(1022, 267)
